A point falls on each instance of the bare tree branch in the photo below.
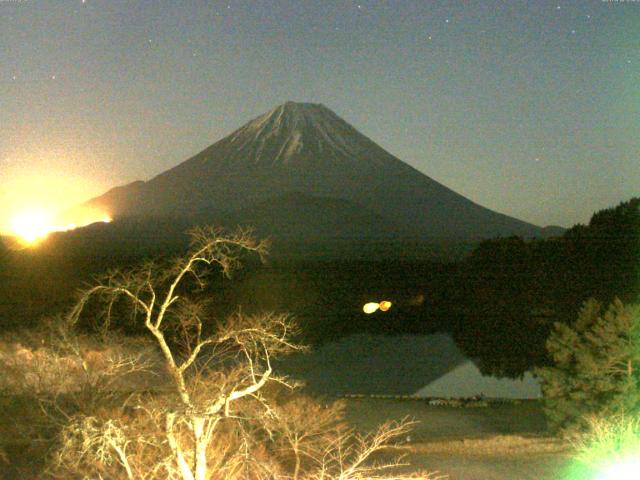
(219, 419)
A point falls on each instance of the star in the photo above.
(53, 77)
(446, 21)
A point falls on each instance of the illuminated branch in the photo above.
(218, 412)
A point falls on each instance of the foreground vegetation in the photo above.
(595, 370)
(495, 442)
(220, 412)
(140, 380)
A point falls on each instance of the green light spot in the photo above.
(625, 469)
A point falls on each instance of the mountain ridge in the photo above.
(307, 148)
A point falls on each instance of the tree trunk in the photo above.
(296, 471)
(183, 466)
(200, 439)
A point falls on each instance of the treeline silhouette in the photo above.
(511, 291)
(499, 301)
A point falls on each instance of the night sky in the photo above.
(530, 108)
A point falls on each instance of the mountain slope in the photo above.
(306, 148)
(304, 217)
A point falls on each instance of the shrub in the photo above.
(595, 370)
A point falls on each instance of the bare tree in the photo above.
(304, 429)
(216, 419)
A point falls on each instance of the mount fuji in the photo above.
(302, 171)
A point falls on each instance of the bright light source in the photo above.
(31, 226)
(370, 307)
(385, 305)
(623, 469)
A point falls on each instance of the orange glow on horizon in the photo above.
(32, 226)
(43, 199)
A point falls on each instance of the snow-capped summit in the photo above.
(293, 125)
(295, 133)
(306, 149)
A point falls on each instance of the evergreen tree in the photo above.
(596, 366)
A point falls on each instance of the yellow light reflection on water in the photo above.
(385, 305)
(372, 307)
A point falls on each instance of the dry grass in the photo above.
(521, 456)
(502, 457)
(498, 445)
(499, 442)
